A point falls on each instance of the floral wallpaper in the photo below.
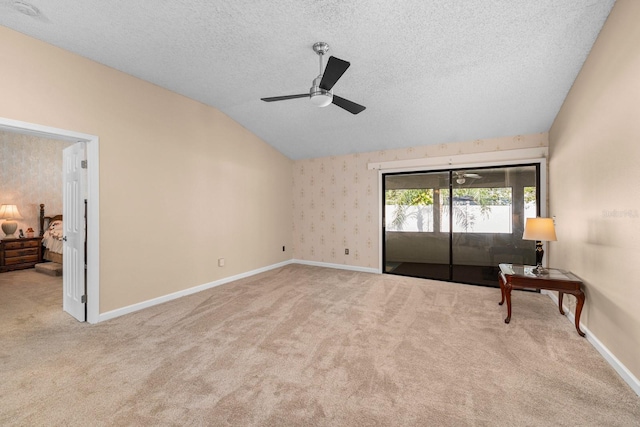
(30, 174)
(335, 199)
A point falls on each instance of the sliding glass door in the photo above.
(458, 224)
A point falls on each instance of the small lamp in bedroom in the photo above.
(539, 229)
(9, 213)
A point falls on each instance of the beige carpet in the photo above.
(305, 346)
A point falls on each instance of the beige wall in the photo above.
(181, 184)
(335, 204)
(31, 174)
(595, 184)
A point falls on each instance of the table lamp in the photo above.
(9, 213)
(539, 229)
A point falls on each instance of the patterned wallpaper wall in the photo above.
(335, 199)
(30, 174)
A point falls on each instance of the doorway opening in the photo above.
(92, 267)
(459, 224)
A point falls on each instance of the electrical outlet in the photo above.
(220, 262)
(346, 251)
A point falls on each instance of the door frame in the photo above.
(537, 155)
(93, 196)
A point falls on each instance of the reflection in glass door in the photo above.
(459, 225)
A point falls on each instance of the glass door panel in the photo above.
(489, 207)
(414, 243)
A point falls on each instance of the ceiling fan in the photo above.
(461, 177)
(321, 93)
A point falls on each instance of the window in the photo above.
(409, 210)
(530, 207)
(478, 210)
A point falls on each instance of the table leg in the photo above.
(580, 297)
(560, 295)
(507, 295)
(501, 289)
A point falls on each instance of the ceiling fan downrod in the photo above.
(321, 48)
(320, 97)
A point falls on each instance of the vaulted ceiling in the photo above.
(429, 72)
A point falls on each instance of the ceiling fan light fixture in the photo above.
(320, 97)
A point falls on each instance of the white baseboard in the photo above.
(159, 300)
(622, 370)
(338, 266)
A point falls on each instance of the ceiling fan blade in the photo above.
(282, 98)
(350, 106)
(333, 71)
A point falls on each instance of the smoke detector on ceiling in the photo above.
(26, 8)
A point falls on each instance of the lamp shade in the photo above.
(9, 212)
(540, 229)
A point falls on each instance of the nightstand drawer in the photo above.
(20, 252)
(21, 259)
(21, 244)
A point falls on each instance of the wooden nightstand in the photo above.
(16, 254)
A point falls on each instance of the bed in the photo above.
(51, 231)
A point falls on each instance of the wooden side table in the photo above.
(515, 276)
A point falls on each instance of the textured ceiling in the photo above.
(429, 72)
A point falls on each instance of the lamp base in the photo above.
(539, 270)
(9, 228)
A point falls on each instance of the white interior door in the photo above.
(73, 211)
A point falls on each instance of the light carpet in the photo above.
(305, 346)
